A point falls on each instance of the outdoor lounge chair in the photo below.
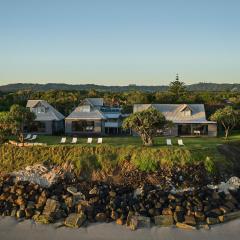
(180, 142)
(63, 140)
(89, 140)
(74, 140)
(169, 142)
(34, 137)
(99, 140)
(28, 136)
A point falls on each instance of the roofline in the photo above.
(168, 104)
(194, 122)
(83, 118)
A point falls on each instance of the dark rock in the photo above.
(83, 206)
(44, 219)
(20, 201)
(178, 216)
(199, 216)
(212, 221)
(190, 220)
(229, 216)
(72, 190)
(179, 208)
(29, 212)
(101, 217)
(224, 209)
(93, 200)
(163, 220)
(185, 226)
(51, 208)
(75, 220)
(133, 224)
(167, 211)
(229, 205)
(114, 215)
(143, 221)
(69, 202)
(171, 196)
(215, 195)
(94, 191)
(112, 194)
(20, 213)
(214, 213)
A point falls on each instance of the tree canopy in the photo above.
(177, 88)
(4, 126)
(228, 117)
(146, 123)
(19, 116)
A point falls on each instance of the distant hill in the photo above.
(60, 86)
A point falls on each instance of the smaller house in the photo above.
(188, 119)
(92, 117)
(48, 120)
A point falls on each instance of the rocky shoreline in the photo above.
(75, 203)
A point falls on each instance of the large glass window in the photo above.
(192, 129)
(83, 126)
(37, 127)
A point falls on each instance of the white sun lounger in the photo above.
(180, 142)
(63, 140)
(89, 140)
(169, 142)
(28, 136)
(74, 140)
(99, 140)
(34, 137)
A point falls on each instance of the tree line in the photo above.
(66, 101)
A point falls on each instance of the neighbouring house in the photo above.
(48, 120)
(188, 119)
(92, 117)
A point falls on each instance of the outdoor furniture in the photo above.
(100, 140)
(74, 140)
(28, 136)
(63, 140)
(197, 132)
(89, 140)
(180, 142)
(169, 142)
(34, 137)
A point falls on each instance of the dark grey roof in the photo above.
(77, 114)
(95, 101)
(173, 112)
(50, 114)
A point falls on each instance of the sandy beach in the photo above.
(11, 229)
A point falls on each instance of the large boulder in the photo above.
(52, 209)
(163, 220)
(75, 220)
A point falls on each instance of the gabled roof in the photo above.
(94, 101)
(173, 112)
(51, 114)
(182, 107)
(94, 114)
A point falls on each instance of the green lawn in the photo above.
(192, 142)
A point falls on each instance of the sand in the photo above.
(11, 229)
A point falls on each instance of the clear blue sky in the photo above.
(119, 42)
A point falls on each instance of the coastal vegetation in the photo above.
(228, 118)
(146, 124)
(110, 155)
